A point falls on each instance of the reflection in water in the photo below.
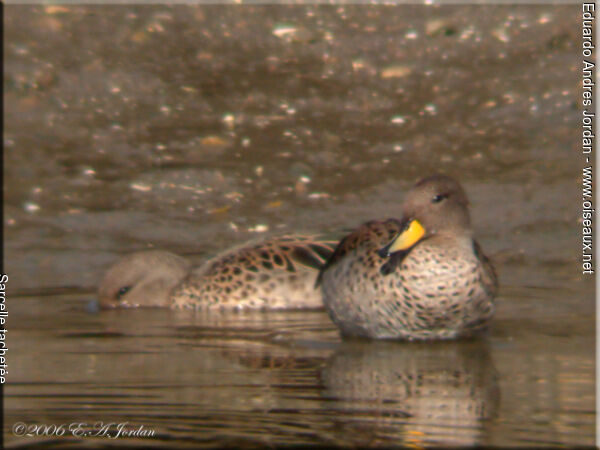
(282, 378)
(232, 379)
(193, 128)
(433, 393)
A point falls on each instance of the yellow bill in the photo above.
(407, 238)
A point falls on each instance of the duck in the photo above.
(420, 277)
(276, 273)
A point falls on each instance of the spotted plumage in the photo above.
(436, 284)
(277, 273)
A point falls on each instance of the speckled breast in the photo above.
(429, 294)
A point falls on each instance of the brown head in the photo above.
(436, 205)
(142, 279)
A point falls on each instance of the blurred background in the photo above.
(195, 128)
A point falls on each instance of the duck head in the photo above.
(436, 205)
(142, 279)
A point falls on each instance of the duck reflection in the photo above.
(422, 394)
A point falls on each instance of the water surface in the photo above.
(193, 129)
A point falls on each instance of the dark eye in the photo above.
(124, 290)
(438, 198)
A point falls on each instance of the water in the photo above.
(285, 378)
(195, 128)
